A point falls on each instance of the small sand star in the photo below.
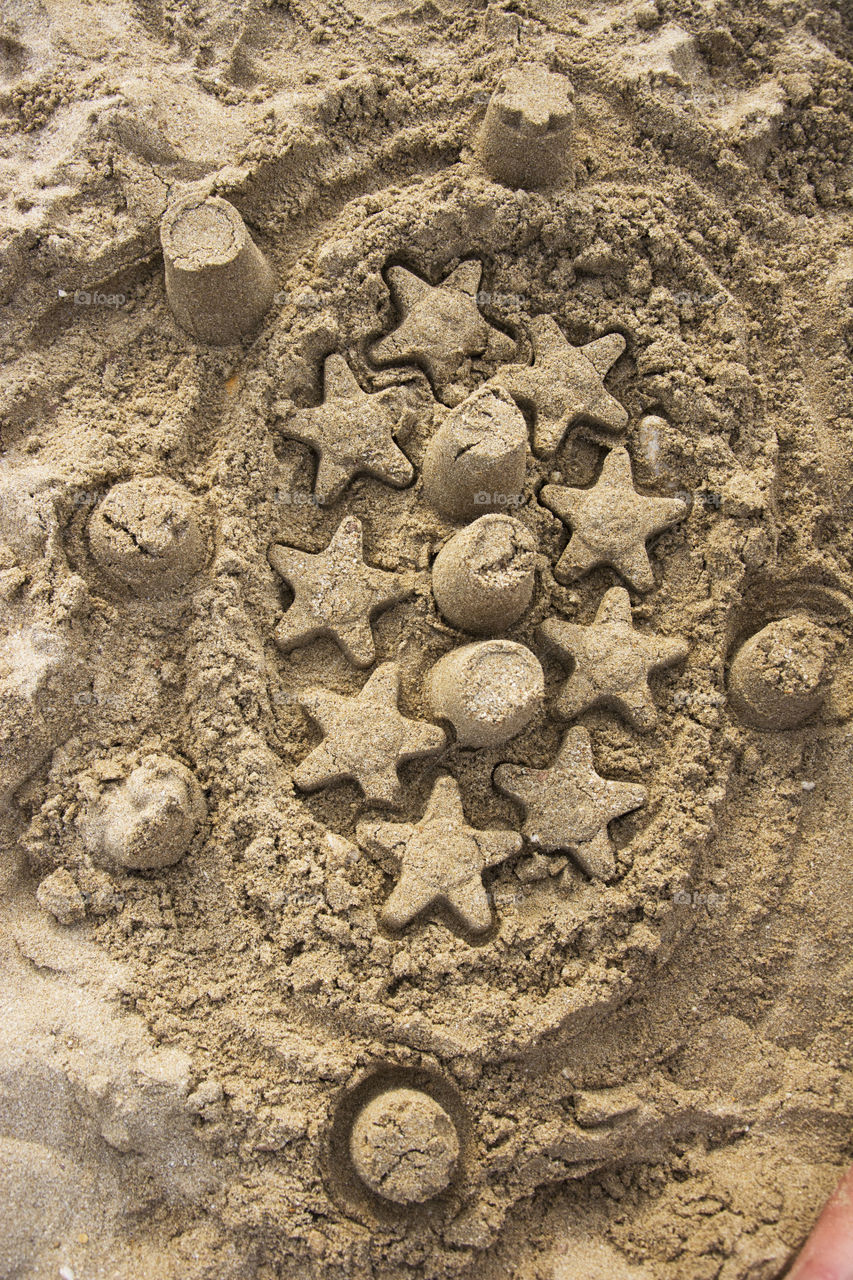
(567, 807)
(365, 739)
(441, 325)
(335, 594)
(611, 523)
(441, 860)
(351, 431)
(565, 384)
(612, 661)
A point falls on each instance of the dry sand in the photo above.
(251, 1029)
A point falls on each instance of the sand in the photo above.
(252, 1028)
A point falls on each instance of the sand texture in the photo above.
(426, 610)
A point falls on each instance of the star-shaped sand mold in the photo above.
(335, 594)
(441, 860)
(365, 738)
(611, 523)
(441, 325)
(565, 384)
(568, 807)
(351, 431)
(612, 661)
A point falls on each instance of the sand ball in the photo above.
(779, 676)
(149, 534)
(149, 821)
(404, 1146)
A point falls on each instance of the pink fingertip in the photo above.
(828, 1252)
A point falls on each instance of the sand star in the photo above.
(335, 594)
(351, 431)
(567, 807)
(611, 523)
(441, 860)
(441, 325)
(565, 384)
(365, 739)
(612, 661)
